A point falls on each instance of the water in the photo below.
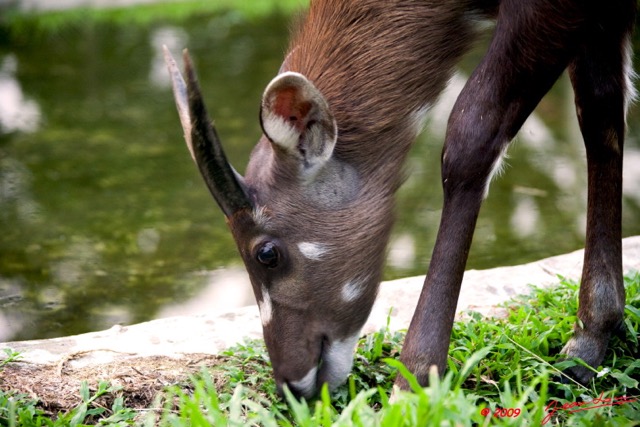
(104, 219)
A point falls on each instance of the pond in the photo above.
(105, 220)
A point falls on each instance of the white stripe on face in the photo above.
(265, 307)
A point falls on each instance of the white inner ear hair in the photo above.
(280, 131)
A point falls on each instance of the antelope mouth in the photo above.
(308, 385)
(333, 368)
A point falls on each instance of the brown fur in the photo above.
(381, 44)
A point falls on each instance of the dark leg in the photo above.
(598, 78)
(523, 61)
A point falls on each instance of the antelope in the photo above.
(312, 215)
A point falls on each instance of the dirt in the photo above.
(139, 380)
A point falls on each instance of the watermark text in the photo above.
(554, 406)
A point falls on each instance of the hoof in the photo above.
(577, 373)
(588, 348)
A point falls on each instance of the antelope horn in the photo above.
(224, 183)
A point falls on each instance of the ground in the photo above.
(140, 379)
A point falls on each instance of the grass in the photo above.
(506, 368)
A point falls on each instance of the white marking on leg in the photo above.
(337, 360)
(354, 288)
(496, 170)
(265, 307)
(311, 250)
(630, 76)
(307, 385)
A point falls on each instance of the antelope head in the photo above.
(310, 228)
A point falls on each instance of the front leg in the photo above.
(427, 340)
(523, 61)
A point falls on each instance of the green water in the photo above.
(104, 219)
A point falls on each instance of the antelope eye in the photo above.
(268, 255)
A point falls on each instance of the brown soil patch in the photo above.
(139, 379)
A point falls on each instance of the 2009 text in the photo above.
(501, 412)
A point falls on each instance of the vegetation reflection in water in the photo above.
(104, 219)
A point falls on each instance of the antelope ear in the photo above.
(296, 118)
